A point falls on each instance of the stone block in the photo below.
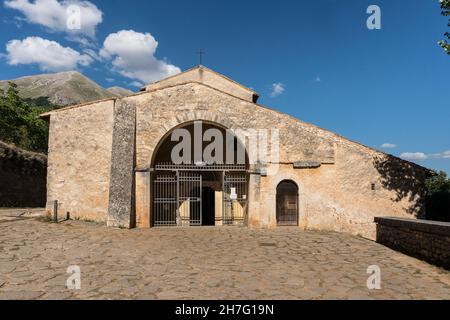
(121, 191)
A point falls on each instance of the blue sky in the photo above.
(315, 60)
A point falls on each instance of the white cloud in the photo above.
(136, 84)
(93, 54)
(48, 55)
(277, 89)
(317, 79)
(57, 16)
(422, 156)
(17, 21)
(414, 156)
(109, 79)
(442, 155)
(133, 56)
(388, 145)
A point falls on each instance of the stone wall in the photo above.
(23, 177)
(79, 162)
(426, 240)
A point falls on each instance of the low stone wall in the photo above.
(425, 240)
(23, 178)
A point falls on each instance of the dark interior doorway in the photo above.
(208, 207)
(287, 204)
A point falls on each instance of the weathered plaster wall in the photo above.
(79, 162)
(335, 197)
(142, 185)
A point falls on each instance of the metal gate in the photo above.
(190, 198)
(165, 200)
(235, 199)
(177, 195)
(177, 200)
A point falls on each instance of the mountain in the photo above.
(64, 88)
(119, 92)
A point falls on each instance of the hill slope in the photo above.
(119, 92)
(64, 88)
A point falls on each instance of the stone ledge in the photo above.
(433, 227)
(425, 240)
(307, 164)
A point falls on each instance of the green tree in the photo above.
(438, 184)
(445, 11)
(9, 115)
(20, 123)
(438, 198)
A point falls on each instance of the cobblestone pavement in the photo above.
(202, 263)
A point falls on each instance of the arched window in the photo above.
(287, 204)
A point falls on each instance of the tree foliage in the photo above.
(445, 11)
(20, 123)
(438, 198)
(438, 184)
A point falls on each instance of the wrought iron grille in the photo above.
(200, 167)
(177, 200)
(190, 198)
(165, 202)
(177, 194)
(235, 199)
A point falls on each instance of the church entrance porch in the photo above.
(199, 195)
(199, 177)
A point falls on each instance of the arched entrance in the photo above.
(199, 177)
(287, 203)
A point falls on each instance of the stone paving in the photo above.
(202, 263)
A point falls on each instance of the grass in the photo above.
(46, 218)
(84, 220)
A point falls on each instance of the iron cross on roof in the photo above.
(200, 55)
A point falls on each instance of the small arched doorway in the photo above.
(287, 203)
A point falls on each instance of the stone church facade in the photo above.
(109, 161)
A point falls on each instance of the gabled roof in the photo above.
(208, 77)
